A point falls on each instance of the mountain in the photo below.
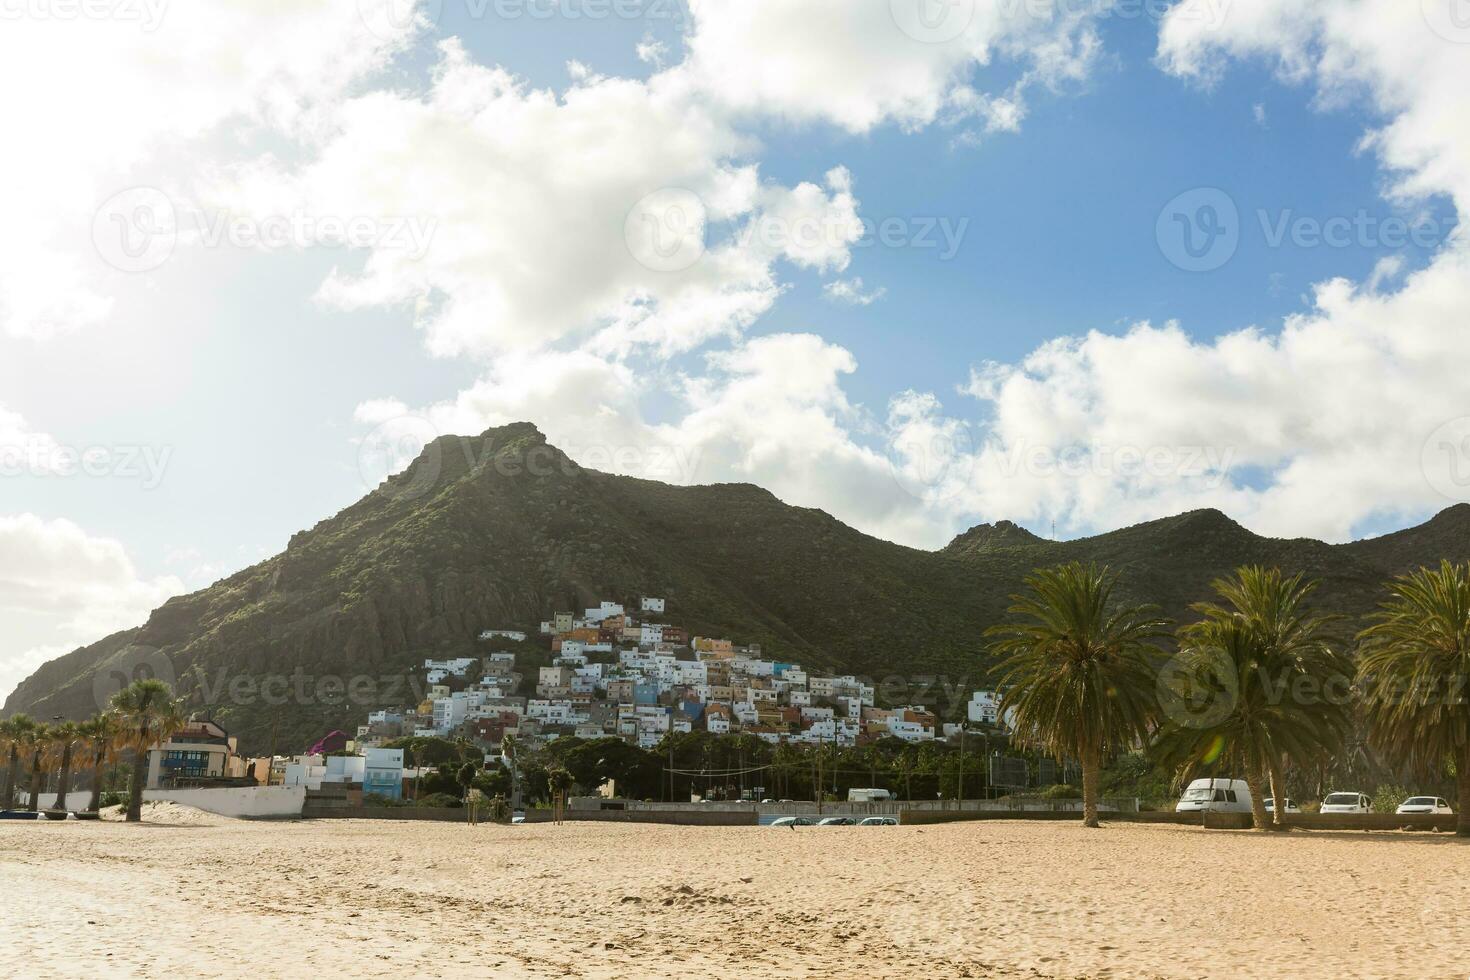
(501, 530)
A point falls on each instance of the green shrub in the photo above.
(1386, 798)
(441, 800)
(1061, 791)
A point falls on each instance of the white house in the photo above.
(650, 604)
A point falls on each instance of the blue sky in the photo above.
(1050, 144)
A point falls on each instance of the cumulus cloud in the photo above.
(1348, 412)
(61, 587)
(852, 292)
(860, 64)
(128, 97)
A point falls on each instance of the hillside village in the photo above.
(616, 672)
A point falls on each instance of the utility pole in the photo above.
(961, 793)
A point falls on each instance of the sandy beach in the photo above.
(217, 897)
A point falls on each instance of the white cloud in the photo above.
(61, 588)
(99, 104)
(1349, 412)
(852, 292)
(862, 63)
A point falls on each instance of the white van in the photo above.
(1216, 796)
(868, 796)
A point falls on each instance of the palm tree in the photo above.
(34, 743)
(102, 735)
(12, 739)
(64, 738)
(1412, 674)
(147, 717)
(1078, 670)
(1286, 687)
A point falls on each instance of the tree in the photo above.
(1277, 688)
(35, 742)
(1412, 674)
(147, 716)
(1078, 670)
(13, 738)
(64, 739)
(102, 735)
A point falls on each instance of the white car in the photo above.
(878, 822)
(1347, 803)
(1424, 804)
(791, 822)
(1291, 806)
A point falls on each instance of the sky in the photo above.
(920, 263)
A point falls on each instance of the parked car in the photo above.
(767, 801)
(836, 822)
(1216, 796)
(1424, 804)
(878, 822)
(1347, 803)
(1291, 806)
(791, 822)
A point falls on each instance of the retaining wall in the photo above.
(249, 802)
(532, 816)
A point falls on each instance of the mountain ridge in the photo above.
(502, 529)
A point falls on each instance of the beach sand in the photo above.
(214, 897)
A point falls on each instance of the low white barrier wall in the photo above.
(244, 801)
(75, 800)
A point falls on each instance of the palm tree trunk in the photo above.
(97, 782)
(1090, 779)
(1462, 775)
(63, 782)
(1278, 794)
(10, 774)
(35, 782)
(135, 784)
(1259, 818)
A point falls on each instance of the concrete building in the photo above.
(201, 750)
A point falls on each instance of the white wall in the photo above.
(75, 800)
(243, 801)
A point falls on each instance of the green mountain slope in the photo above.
(501, 530)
